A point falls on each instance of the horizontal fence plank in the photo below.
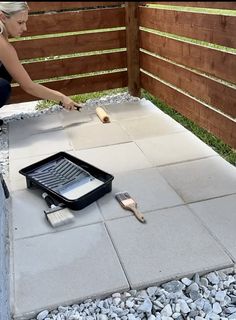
(217, 124)
(47, 47)
(219, 64)
(61, 5)
(213, 93)
(201, 4)
(79, 65)
(217, 29)
(77, 86)
(41, 24)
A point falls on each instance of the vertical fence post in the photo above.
(132, 45)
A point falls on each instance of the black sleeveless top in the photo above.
(4, 73)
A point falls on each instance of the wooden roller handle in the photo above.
(103, 116)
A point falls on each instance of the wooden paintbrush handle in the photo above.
(137, 214)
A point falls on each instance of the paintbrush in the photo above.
(129, 203)
(57, 215)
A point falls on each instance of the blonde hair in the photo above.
(10, 8)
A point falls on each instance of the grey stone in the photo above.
(146, 306)
(151, 291)
(207, 308)
(213, 278)
(184, 308)
(166, 311)
(173, 286)
(193, 287)
(186, 281)
(220, 295)
(217, 308)
(42, 315)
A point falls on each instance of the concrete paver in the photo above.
(16, 180)
(115, 158)
(171, 244)
(107, 249)
(64, 267)
(218, 215)
(147, 186)
(39, 144)
(201, 179)
(173, 148)
(96, 135)
(32, 215)
(149, 126)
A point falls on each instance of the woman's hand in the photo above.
(69, 104)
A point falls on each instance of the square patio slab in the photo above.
(21, 129)
(172, 243)
(115, 158)
(65, 267)
(17, 180)
(28, 218)
(173, 148)
(92, 135)
(131, 110)
(201, 179)
(74, 118)
(219, 217)
(38, 144)
(146, 186)
(149, 126)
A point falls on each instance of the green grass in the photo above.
(224, 150)
(82, 98)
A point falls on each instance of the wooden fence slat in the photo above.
(211, 28)
(219, 64)
(79, 65)
(217, 124)
(213, 93)
(77, 86)
(47, 47)
(201, 4)
(41, 24)
(61, 5)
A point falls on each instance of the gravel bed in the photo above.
(212, 296)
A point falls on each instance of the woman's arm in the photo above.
(9, 58)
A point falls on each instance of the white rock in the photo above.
(184, 308)
(146, 306)
(213, 278)
(186, 281)
(166, 311)
(217, 308)
(42, 315)
(220, 295)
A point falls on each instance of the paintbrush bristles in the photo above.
(58, 218)
(129, 203)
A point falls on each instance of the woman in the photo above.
(13, 18)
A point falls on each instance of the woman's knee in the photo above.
(5, 91)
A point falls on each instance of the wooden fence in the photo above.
(163, 50)
(196, 79)
(69, 19)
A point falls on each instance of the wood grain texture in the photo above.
(77, 86)
(212, 92)
(217, 29)
(208, 119)
(210, 61)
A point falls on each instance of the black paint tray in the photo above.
(68, 179)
